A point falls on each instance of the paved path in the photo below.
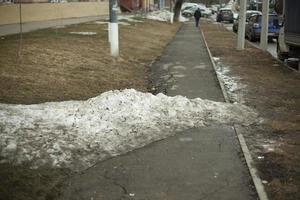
(202, 163)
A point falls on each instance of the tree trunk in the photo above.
(177, 8)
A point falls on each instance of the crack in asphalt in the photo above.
(113, 181)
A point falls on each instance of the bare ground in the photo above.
(273, 90)
(54, 65)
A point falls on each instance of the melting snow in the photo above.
(101, 22)
(180, 67)
(76, 134)
(84, 33)
(232, 84)
(129, 18)
(200, 67)
(164, 15)
(160, 15)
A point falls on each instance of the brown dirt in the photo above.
(55, 66)
(273, 90)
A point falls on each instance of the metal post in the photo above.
(264, 26)
(113, 28)
(242, 24)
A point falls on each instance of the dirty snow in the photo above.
(123, 23)
(77, 134)
(160, 15)
(232, 84)
(182, 18)
(202, 66)
(129, 18)
(101, 22)
(164, 15)
(84, 33)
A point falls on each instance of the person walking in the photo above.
(197, 16)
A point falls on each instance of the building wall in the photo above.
(9, 14)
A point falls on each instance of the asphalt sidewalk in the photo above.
(200, 163)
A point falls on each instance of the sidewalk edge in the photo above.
(250, 163)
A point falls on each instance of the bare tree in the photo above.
(177, 7)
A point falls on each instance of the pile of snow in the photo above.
(164, 15)
(160, 15)
(182, 18)
(77, 134)
(84, 33)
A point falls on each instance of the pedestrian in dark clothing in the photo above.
(197, 16)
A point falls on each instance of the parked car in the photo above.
(189, 11)
(249, 13)
(225, 14)
(253, 27)
(206, 12)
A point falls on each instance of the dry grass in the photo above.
(56, 65)
(273, 90)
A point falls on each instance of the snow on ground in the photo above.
(164, 15)
(77, 134)
(182, 18)
(129, 18)
(101, 22)
(232, 84)
(84, 33)
(106, 23)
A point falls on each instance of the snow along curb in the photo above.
(250, 163)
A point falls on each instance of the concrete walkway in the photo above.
(202, 163)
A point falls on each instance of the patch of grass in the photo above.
(55, 65)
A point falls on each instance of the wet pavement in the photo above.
(200, 163)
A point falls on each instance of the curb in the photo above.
(250, 163)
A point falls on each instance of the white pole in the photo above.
(113, 28)
(242, 24)
(114, 39)
(264, 26)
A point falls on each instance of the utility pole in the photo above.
(113, 28)
(242, 24)
(264, 26)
